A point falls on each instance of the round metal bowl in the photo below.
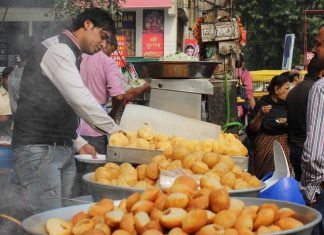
(175, 69)
(36, 223)
(100, 191)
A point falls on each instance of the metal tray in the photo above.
(100, 191)
(175, 69)
(131, 155)
(144, 156)
(36, 224)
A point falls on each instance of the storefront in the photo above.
(150, 27)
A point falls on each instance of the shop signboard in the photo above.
(153, 33)
(120, 54)
(126, 26)
(219, 31)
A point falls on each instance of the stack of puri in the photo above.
(213, 170)
(182, 209)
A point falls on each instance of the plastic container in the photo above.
(6, 160)
(285, 189)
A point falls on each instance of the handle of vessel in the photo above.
(7, 217)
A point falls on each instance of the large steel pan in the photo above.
(100, 191)
(175, 69)
(36, 223)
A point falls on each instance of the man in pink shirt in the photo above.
(100, 75)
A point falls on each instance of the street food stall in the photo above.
(190, 181)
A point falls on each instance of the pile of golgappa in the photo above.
(180, 210)
(146, 138)
(212, 170)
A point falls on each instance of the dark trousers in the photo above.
(319, 205)
(296, 152)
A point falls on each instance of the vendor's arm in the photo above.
(133, 92)
(313, 155)
(256, 122)
(117, 102)
(59, 66)
(114, 89)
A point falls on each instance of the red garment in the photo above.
(246, 79)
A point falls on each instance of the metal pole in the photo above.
(305, 40)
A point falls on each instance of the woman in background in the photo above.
(5, 110)
(268, 124)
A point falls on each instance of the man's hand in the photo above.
(88, 149)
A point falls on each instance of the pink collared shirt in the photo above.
(246, 77)
(101, 76)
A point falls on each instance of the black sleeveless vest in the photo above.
(43, 116)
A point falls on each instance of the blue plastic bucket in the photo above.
(285, 189)
(6, 160)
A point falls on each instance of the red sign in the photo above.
(191, 47)
(120, 55)
(153, 33)
(153, 45)
(309, 57)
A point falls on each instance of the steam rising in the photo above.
(13, 203)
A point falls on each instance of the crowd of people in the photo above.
(293, 114)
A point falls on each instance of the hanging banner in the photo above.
(126, 26)
(288, 51)
(153, 33)
(120, 55)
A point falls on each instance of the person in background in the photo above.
(294, 77)
(5, 110)
(52, 96)
(298, 77)
(296, 115)
(14, 83)
(312, 178)
(101, 76)
(130, 92)
(245, 86)
(266, 128)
